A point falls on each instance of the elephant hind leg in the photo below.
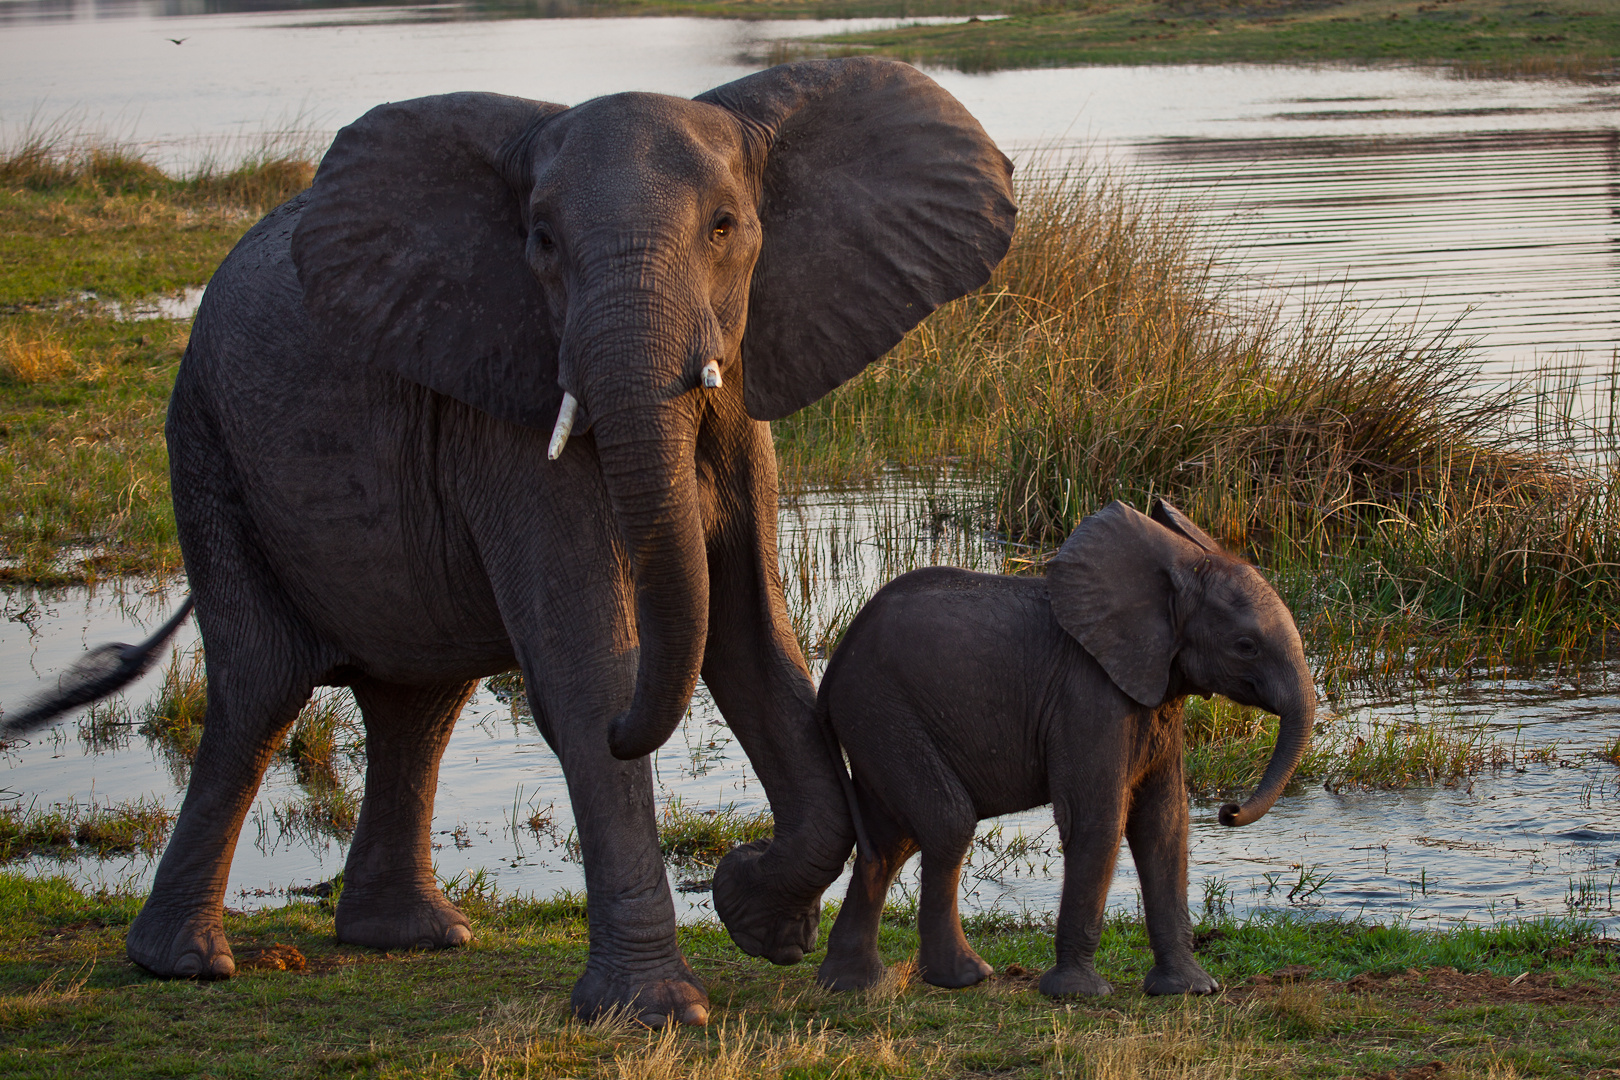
(180, 931)
(853, 961)
(390, 897)
(945, 958)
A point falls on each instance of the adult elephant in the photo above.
(367, 495)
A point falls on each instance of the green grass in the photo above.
(68, 830)
(1366, 999)
(1561, 38)
(84, 222)
(691, 837)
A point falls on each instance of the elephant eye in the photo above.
(1247, 648)
(721, 229)
(543, 238)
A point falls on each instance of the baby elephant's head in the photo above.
(1158, 604)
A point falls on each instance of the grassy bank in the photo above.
(1305, 999)
(1478, 37)
(89, 230)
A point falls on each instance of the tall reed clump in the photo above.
(64, 154)
(1409, 517)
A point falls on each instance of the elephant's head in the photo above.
(606, 266)
(1164, 610)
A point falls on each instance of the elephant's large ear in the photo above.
(882, 199)
(411, 252)
(1111, 587)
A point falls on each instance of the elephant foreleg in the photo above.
(1157, 832)
(390, 898)
(1090, 831)
(768, 893)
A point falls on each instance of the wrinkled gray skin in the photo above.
(962, 696)
(359, 439)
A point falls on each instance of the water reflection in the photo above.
(1514, 238)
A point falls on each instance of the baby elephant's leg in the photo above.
(945, 957)
(945, 833)
(1090, 834)
(1157, 831)
(853, 961)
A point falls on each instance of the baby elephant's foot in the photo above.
(850, 972)
(413, 919)
(1074, 980)
(953, 971)
(1185, 977)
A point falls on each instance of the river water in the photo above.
(1492, 204)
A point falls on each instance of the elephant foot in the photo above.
(673, 996)
(850, 972)
(189, 946)
(400, 919)
(1185, 977)
(761, 921)
(1073, 980)
(953, 971)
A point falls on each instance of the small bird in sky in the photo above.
(179, 40)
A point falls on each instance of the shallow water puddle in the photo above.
(1531, 839)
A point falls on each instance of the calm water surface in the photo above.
(1494, 204)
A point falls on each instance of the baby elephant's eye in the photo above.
(543, 239)
(1247, 648)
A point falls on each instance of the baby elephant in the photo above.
(961, 696)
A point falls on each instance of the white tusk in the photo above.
(711, 375)
(565, 424)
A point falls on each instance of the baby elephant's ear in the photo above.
(1167, 515)
(1110, 587)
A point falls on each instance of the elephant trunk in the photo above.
(647, 455)
(1298, 719)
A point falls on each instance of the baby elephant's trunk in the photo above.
(1298, 719)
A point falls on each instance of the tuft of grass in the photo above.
(67, 830)
(327, 741)
(173, 719)
(106, 725)
(700, 837)
(33, 357)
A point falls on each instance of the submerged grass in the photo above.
(1358, 999)
(68, 830)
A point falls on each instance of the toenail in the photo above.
(457, 935)
(653, 1020)
(696, 1015)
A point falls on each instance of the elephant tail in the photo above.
(863, 845)
(104, 670)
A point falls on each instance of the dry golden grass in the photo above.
(31, 357)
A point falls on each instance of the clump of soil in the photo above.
(277, 957)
